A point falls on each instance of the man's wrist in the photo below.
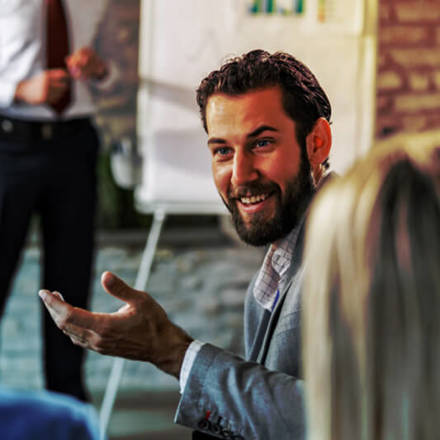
(171, 361)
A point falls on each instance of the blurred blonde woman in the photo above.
(372, 298)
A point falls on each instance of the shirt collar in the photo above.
(276, 263)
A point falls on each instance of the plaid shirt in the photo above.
(272, 275)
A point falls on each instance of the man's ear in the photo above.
(318, 143)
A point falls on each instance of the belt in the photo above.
(20, 130)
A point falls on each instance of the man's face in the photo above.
(256, 163)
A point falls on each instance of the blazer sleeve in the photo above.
(229, 397)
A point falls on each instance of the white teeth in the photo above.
(253, 199)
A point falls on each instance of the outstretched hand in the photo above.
(139, 330)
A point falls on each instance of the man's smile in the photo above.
(255, 203)
(251, 200)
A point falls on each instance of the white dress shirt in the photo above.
(22, 52)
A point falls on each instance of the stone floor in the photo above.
(198, 276)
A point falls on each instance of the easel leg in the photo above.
(143, 274)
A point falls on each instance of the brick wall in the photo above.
(408, 81)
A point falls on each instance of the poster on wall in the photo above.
(343, 15)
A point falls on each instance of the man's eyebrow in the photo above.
(260, 130)
(216, 141)
(252, 134)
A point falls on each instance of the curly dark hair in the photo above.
(304, 100)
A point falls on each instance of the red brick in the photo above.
(383, 60)
(403, 35)
(419, 81)
(388, 125)
(389, 80)
(411, 103)
(416, 57)
(436, 78)
(384, 12)
(433, 121)
(384, 104)
(418, 11)
(414, 123)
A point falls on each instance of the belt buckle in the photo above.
(46, 131)
(7, 126)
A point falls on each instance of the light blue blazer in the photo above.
(260, 397)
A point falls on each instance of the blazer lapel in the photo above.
(260, 337)
(271, 323)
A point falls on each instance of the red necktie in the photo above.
(57, 45)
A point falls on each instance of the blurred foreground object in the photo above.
(372, 328)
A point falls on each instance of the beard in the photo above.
(289, 208)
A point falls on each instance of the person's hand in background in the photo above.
(45, 88)
(86, 64)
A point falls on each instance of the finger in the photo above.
(116, 287)
(79, 342)
(59, 75)
(58, 294)
(91, 340)
(78, 59)
(54, 303)
(81, 336)
(58, 87)
(78, 334)
(58, 309)
(65, 315)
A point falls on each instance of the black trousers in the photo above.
(55, 178)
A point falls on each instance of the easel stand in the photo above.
(143, 274)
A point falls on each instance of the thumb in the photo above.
(116, 287)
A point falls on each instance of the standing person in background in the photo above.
(48, 153)
(372, 317)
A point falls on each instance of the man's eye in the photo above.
(263, 142)
(221, 151)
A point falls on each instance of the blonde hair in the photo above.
(372, 297)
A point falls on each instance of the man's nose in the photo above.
(243, 170)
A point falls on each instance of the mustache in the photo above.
(251, 189)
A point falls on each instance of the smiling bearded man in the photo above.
(267, 120)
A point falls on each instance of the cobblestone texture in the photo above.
(201, 288)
